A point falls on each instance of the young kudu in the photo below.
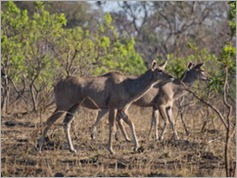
(101, 92)
(161, 97)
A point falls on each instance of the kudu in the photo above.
(161, 97)
(101, 93)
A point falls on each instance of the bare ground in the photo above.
(199, 154)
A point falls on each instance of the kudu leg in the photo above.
(164, 116)
(56, 114)
(67, 125)
(154, 121)
(99, 117)
(172, 122)
(184, 125)
(151, 126)
(112, 128)
(181, 113)
(132, 127)
(125, 135)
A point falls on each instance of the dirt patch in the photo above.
(185, 157)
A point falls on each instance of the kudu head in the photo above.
(159, 73)
(163, 66)
(195, 71)
(3, 75)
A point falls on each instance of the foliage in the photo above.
(213, 65)
(26, 49)
(37, 50)
(50, 40)
(116, 53)
(232, 19)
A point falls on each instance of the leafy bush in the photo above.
(37, 51)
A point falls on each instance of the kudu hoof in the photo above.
(175, 137)
(128, 139)
(139, 149)
(116, 137)
(39, 145)
(161, 138)
(37, 148)
(92, 137)
(72, 150)
(188, 133)
(111, 151)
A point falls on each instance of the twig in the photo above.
(210, 141)
(208, 104)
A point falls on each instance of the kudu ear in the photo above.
(199, 65)
(153, 65)
(162, 66)
(189, 65)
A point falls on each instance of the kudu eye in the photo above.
(160, 71)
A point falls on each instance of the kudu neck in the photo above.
(137, 87)
(188, 78)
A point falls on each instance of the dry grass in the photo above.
(200, 154)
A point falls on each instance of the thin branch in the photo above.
(225, 96)
(208, 104)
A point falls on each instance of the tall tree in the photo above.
(162, 28)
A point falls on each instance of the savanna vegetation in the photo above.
(43, 42)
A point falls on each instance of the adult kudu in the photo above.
(101, 92)
(161, 97)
